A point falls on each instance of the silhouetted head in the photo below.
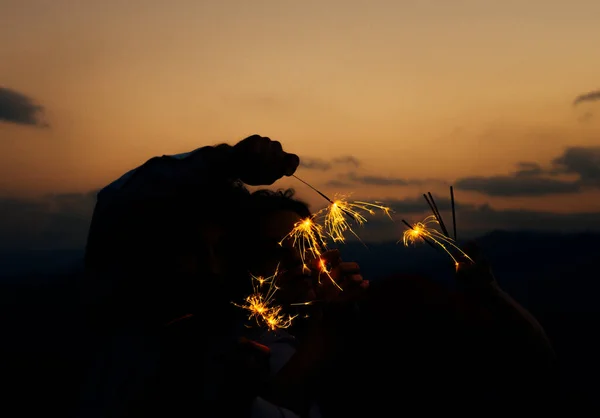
(193, 244)
(256, 242)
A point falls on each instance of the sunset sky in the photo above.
(422, 94)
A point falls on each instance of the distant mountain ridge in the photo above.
(537, 255)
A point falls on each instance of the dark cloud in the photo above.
(525, 169)
(373, 180)
(315, 164)
(531, 179)
(377, 180)
(418, 205)
(18, 108)
(474, 220)
(347, 160)
(325, 165)
(583, 161)
(338, 183)
(517, 185)
(58, 221)
(591, 96)
(586, 117)
(528, 179)
(485, 218)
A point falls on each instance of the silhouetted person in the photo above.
(179, 235)
(154, 236)
(427, 349)
(164, 219)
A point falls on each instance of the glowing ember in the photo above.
(423, 230)
(337, 216)
(261, 306)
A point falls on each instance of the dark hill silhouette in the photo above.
(46, 341)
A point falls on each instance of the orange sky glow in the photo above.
(412, 89)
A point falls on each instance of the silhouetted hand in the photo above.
(337, 292)
(305, 286)
(474, 273)
(341, 282)
(261, 161)
(324, 338)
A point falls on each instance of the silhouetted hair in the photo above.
(244, 226)
(265, 201)
(136, 244)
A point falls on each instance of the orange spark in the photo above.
(337, 214)
(261, 306)
(422, 230)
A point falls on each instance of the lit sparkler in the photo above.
(340, 209)
(307, 236)
(309, 239)
(422, 230)
(261, 306)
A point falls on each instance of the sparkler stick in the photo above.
(430, 204)
(453, 212)
(335, 222)
(423, 238)
(322, 194)
(314, 188)
(437, 213)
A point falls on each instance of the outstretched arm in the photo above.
(478, 281)
(164, 182)
(520, 350)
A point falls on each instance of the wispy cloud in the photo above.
(325, 165)
(20, 109)
(418, 205)
(514, 185)
(353, 178)
(591, 96)
(347, 160)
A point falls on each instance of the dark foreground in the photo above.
(47, 344)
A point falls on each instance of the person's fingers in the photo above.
(264, 147)
(292, 161)
(348, 268)
(331, 257)
(254, 346)
(276, 150)
(249, 143)
(277, 160)
(472, 249)
(356, 278)
(266, 159)
(352, 293)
